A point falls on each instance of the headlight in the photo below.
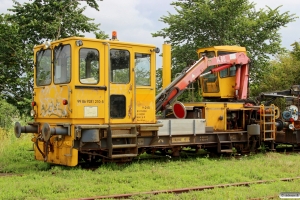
(32, 113)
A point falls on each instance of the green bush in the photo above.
(8, 113)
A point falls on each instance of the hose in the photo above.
(37, 146)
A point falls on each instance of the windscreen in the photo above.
(43, 67)
(62, 64)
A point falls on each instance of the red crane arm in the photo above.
(179, 84)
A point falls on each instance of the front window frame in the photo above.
(43, 74)
(62, 65)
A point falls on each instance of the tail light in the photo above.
(65, 102)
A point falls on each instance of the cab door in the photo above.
(89, 79)
(121, 85)
(144, 86)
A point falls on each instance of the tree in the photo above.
(31, 24)
(159, 80)
(275, 79)
(15, 64)
(296, 51)
(51, 19)
(101, 35)
(7, 113)
(203, 23)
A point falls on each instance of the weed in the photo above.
(168, 158)
(263, 148)
(221, 156)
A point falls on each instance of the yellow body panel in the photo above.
(166, 70)
(222, 48)
(145, 108)
(215, 113)
(62, 152)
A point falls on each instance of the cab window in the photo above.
(142, 69)
(210, 78)
(43, 67)
(120, 66)
(62, 64)
(229, 71)
(209, 54)
(89, 66)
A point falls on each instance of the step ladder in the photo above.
(122, 142)
(267, 122)
(224, 143)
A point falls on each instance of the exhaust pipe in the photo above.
(18, 129)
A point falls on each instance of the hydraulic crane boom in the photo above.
(179, 84)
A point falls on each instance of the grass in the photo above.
(40, 180)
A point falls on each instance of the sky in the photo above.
(135, 20)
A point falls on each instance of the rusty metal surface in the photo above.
(263, 198)
(185, 190)
(9, 174)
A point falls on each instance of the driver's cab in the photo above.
(219, 84)
(91, 81)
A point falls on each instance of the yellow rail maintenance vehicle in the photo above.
(86, 90)
(95, 100)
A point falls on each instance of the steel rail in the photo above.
(9, 174)
(185, 190)
(264, 198)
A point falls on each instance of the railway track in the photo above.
(190, 189)
(9, 174)
(5, 174)
(264, 198)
